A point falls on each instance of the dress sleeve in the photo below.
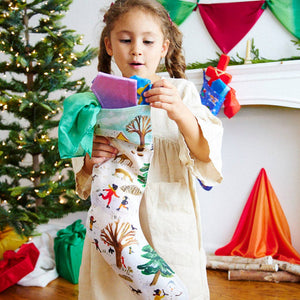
(83, 180)
(209, 173)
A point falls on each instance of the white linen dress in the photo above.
(169, 211)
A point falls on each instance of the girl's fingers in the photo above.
(160, 98)
(160, 94)
(101, 139)
(99, 160)
(103, 153)
(159, 90)
(163, 105)
(102, 147)
(162, 88)
(162, 83)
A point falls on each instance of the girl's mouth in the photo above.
(136, 64)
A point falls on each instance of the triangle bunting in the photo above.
(288, 14)
(228, 23)
(179, 10)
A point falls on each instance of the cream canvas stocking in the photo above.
(113, 219)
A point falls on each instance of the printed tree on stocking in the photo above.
(156, 265)
(143, 178)
(140, 125)
(118, 237)
(37, 59)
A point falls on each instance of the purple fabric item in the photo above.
(114, 91)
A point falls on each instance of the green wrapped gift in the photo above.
(68, 247)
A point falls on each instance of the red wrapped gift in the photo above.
(16, 265)
(219, 71)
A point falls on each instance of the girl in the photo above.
(186, 144)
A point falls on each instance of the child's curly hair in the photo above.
(174, 60)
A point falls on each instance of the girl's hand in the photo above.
(165, 96)
(102, 151)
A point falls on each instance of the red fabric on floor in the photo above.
(16, 265)
(263, 229)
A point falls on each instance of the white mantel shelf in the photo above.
(276, 83)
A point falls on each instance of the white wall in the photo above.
(270, 37)
(256, 137)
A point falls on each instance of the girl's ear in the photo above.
(108, 46)
(165, 48)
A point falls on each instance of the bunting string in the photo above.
(228, 23)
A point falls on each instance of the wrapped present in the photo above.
(10, 240)
(45, 268)
(16, 265)
(219, 71)
(220, 87)
(143, 85)
(213, 96)
(68, 247)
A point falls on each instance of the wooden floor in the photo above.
(220, 289)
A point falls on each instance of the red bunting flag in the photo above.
(263, 229)
(228, 23)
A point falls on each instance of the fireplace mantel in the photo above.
(276, 83)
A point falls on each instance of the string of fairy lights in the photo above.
(23, 64)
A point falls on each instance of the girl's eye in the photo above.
(148, 42)
(125, 41)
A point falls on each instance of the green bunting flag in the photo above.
(179, 10)
(288, 13)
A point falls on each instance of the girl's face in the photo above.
(137, 44)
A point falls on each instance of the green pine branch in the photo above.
(256, 58)
(39, 56)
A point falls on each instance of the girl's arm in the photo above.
(165, 96)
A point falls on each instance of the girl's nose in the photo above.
(136, 51)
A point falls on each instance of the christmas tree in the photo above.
(38, 56)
